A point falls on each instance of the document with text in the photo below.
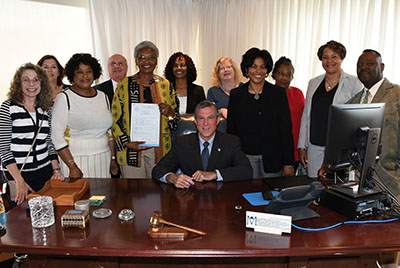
(145, 123)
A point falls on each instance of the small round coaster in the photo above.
(102, 213)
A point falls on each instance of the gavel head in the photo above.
(155, 220)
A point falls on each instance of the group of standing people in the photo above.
(257, 111)
(91, 126)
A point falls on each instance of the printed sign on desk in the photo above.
(268, 223)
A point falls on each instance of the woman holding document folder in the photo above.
(136, 160)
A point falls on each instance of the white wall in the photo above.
(31, 29)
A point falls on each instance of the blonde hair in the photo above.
(216, 81)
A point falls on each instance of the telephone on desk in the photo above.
(294, 201)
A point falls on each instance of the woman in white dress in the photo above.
(81, 123)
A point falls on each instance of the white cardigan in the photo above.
(349, 85)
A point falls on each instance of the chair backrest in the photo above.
(187, 126)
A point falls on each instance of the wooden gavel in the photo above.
(156, 219)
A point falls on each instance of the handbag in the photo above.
(12, 184)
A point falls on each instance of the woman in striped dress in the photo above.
(22, 118)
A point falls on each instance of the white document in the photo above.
(145, 123)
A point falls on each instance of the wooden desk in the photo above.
(208, 207)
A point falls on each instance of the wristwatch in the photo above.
(113, 157)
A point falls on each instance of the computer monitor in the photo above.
(353, 137)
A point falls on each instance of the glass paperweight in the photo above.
(42, 211)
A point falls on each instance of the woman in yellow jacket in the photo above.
(136, 160)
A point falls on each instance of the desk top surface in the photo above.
(209, 207)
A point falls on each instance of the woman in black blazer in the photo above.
(259, 114)
(181, 73)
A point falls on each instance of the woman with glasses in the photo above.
(81, 122)
(283, 74)
(224, 76)
(27, 154)
(136, 160)
(259, 115)
(181, 73)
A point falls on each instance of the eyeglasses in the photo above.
(285, 75)
(117, 64)
(143, 58)
(182, 65)
(223, 68)
(28, 81)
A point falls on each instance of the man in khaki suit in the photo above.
(379, 89)
(370, 72)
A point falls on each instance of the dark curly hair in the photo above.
(282, 61)
(83, 58)
(43, 99)
(249, 57)
(335, 46)
(191, 68)
(59, 66)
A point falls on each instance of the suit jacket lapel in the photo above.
(357, 97)
(195, 148)
(109, 90)
(380, 94)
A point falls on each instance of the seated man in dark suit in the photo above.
(190, 154)
(117, 69)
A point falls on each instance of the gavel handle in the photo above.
(182, 227)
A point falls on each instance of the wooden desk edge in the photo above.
(198, 253)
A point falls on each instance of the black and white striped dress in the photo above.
(17, 132)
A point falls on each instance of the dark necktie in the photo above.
(205, 155)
